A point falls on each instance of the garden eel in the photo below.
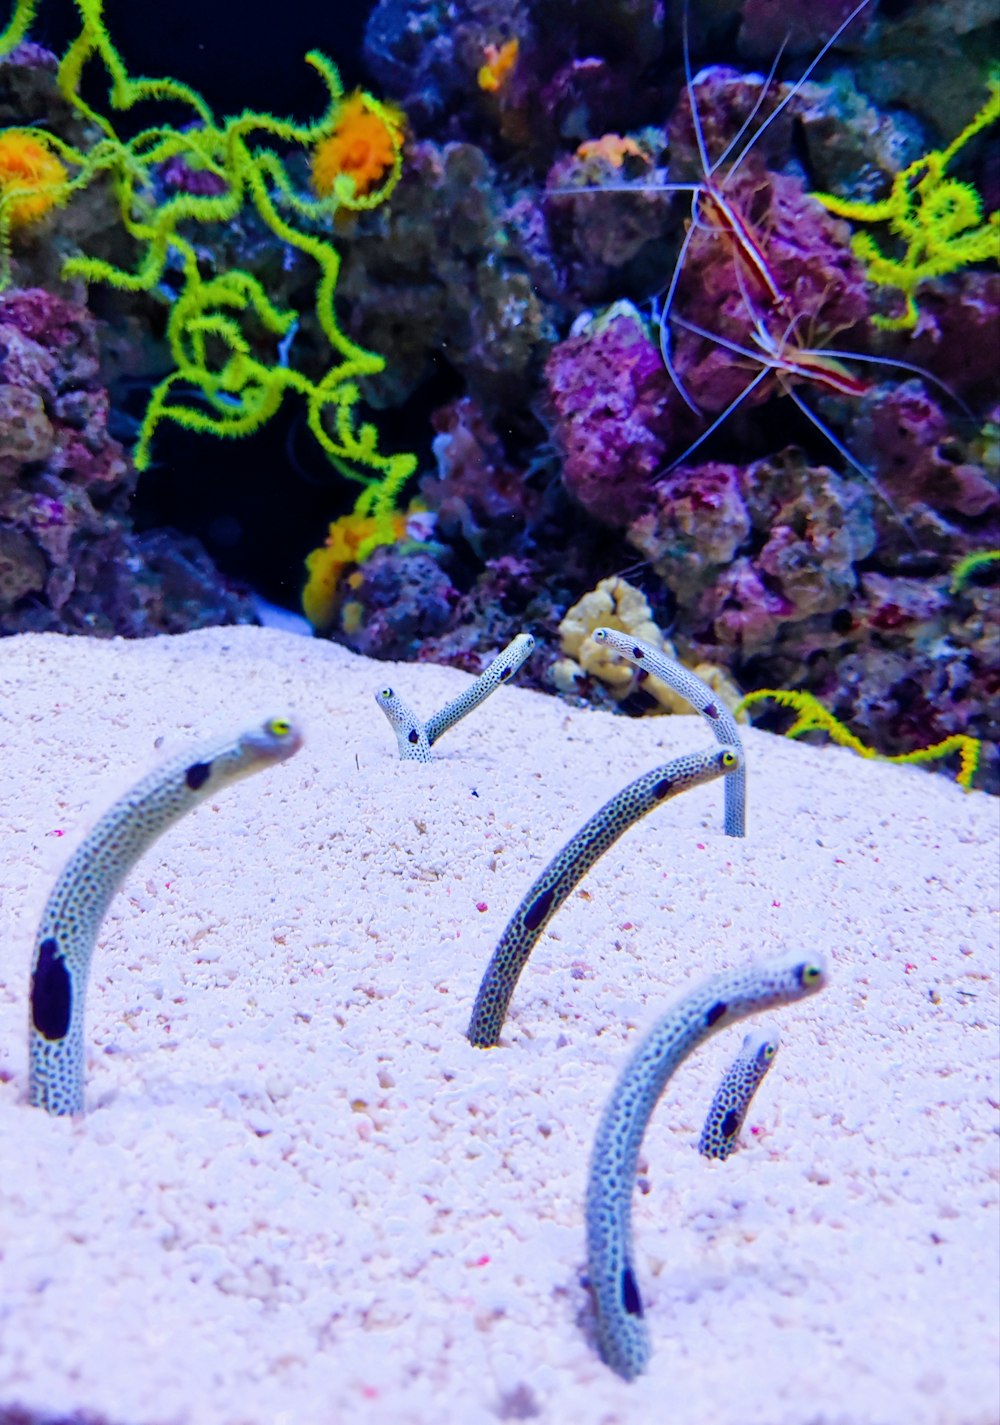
(571, 865)
(415, 739)
(732, 1098)
(74, 911)
(622, 1334)
(702, 699)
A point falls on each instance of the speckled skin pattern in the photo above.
(411, 735)
(702, 699)
(416, 738)
(732, 1098)
(571, 865)
(622, 1333)
(500, 671)
(74, 911)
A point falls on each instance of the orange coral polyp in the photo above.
(343, 547)
(32, 179)
(363, 147)
(500, 60)
(614, 148)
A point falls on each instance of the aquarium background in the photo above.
(509, 280)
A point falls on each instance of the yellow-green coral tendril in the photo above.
(225, 380)
(18, 25)
(939, 221)
(970, 565)
(814, 717)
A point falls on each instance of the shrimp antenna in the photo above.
(665, 318)
(695, 116)
(898, 365)
(798, 83)
(764, 88)
(764, 372)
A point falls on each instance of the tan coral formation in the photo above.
(615, 603)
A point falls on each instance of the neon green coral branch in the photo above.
(965, 568)
(18, 25)
(938, 220)
(814, 717)
(224, 381)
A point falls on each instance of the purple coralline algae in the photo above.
(70, 561)
(615, 413)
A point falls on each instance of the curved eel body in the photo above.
(736, 1089)
(411, 735)
(622, 1333)
(702, 699)
(78, 903)
(500, 671)
(415, 738)
(571, 864)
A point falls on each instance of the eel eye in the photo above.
(279, 727)
(811, 974)
(386, 693)
(729, 759)
(769, 1052)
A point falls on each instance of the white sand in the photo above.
(299, 1197)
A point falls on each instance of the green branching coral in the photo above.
(814, 717)
(970, 565)
(220, 325)
(938, 220)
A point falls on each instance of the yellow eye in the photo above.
(811, 974)
(729, 759)
(768, 1051)
(279, 727)
(386, 693)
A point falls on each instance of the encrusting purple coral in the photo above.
(615, 413)
(69, 559)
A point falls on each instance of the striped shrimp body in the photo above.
(622, 1333)
(415, 738)
(572, 863)
(74, 911)
(733, 1096)
(701, 697)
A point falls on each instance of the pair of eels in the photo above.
(622, 1333)
(414, 738)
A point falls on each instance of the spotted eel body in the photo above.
(702, 699)
(570, 866)
(622, 1333)
(411, 735)
(500, 671)
(732, 1098)
(415, 738)
(78, 903)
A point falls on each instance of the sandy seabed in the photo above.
(298, 1195)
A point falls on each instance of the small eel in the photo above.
(73, 913)
(501, 670)
(622, 1333)
(732, 1098)
(570, 866)
(411, 735)
(414, 738)
(702, 699)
